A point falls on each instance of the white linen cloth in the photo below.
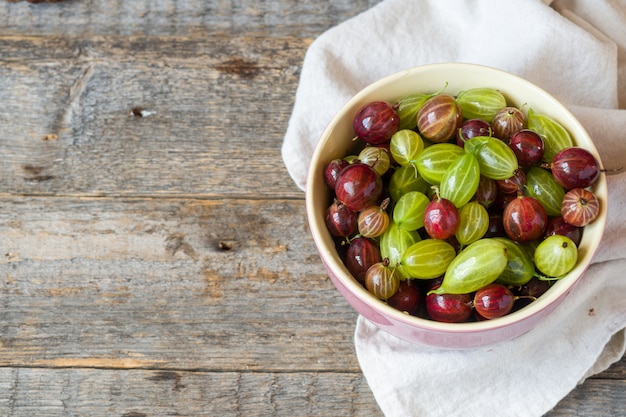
(574, 49)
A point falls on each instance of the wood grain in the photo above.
(185, 284)
(154, 254)
(177, 17)
(217, 138)
(146, 393)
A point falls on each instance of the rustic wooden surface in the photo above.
(161, 265)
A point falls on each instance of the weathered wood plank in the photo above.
(160, 283)
(217, 51)
(86, 392)
(177, 17)
(101, 392)
(595, 397)
(215, 127)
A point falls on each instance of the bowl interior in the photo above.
(336, 141)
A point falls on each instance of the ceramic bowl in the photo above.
(337, 140)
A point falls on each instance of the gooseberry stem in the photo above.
(440, 91)
(385, 204)
(349, 240)
(436, 188)
(612, 171)
(546, 278)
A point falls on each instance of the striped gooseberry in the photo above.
(382, 280)
(580, 207)
(373, 221)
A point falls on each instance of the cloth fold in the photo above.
(576, 51)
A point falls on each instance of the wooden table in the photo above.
(155, 255)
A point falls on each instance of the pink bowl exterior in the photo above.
(334, 143)
(435, 337)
